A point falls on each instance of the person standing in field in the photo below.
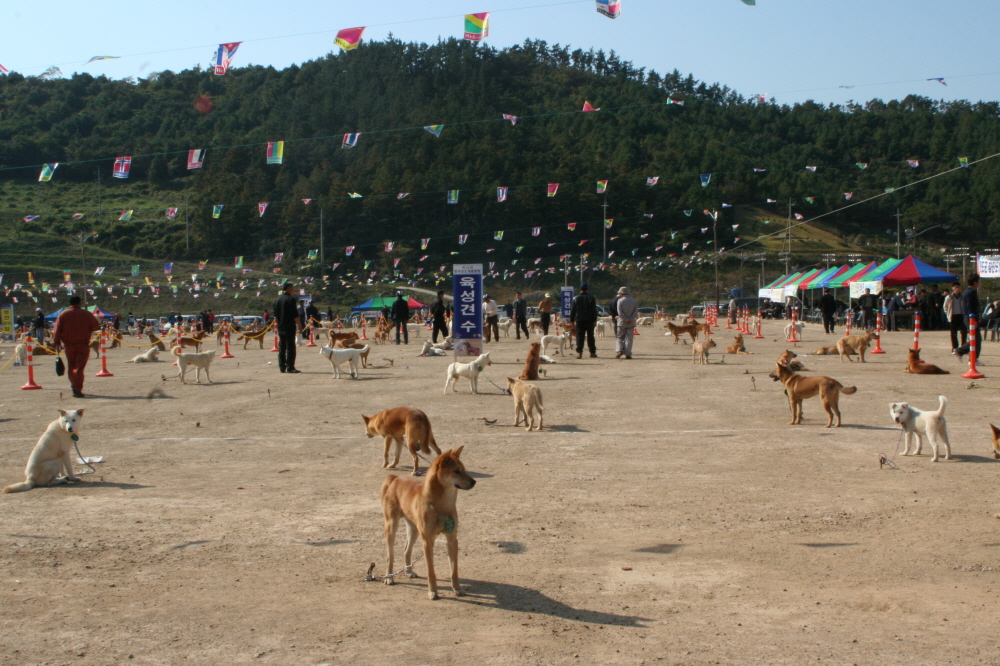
(72, 333)
(628, 316)
(956, 318)
(520, 316)
(286, 320)
(545, 313)
(583, 313)
(492, 318)
(828, 306)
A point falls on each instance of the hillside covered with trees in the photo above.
(389, 91)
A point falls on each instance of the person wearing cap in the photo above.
(400, 314)
(439, 312)
(71, 334)
(545, 313)
(39, 326)
(520, 316)
(583, 314)
(287, 322)
(628, 316)
(492, 318)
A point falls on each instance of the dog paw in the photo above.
(72, 478)
(388, 581)
(459, 592)
(433, 596)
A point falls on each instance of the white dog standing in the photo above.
(200, 361)
(338, 356)
(919, 425)
(470, 370)
(557, 341)
(799, 325)
(52, 454)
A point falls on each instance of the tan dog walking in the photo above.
(399, 422)
(428, 508)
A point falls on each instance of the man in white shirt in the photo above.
(492, 318)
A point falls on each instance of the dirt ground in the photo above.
(666, 514)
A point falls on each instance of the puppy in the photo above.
(428, 507)
(155, 340)
(737, 346)
(470, 370)
(149, 357)
(52, 454)
(399, 422)
(786, 359)
(830, 351)
(527, 400)
(921, 425)
(699, 351)
(200, 361)
(859, 343)
(916, 367)
(430, 350)
(554, 340)
(338, 356)
(801, 388)
(530, 372)
(799, 325)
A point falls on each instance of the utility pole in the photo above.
(788, 236)
(100, 207)
(897, 216)
(321, 237)
(187, 223)
(604, 225)
(965, 254)
(583, 266)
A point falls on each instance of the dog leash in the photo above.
(75, 438)
(370, 576)
(882, 460)
(502, 390)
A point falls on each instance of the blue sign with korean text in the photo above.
(467, 324)
(566, 300)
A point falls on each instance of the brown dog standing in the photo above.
(530, 372)
(399, 422)
(428, 507)
(801, 388)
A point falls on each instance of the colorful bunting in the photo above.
(434, 129)
(939, 80)
(122, 166)
(462, 238)
(278, 256)
(201, 266)
(402, 195)
(848, 195)
(77, 216)
(861, 165)
(350, 140)
(498, 235)
(306, 201)
(772, 201)
(238, 263)
(602, 186)
(536, 231)
(313, 254)
(47, 171)
(811, 199)
(395, 262)
(224, 57)
(513, 119)
(4, 70)
(135, 270)
(171, 214)
(125, 216)
(588, 107)
(964, 162)
(705, 179)
(453, 196)
(275, 152)
(608, 223)
(424, 242)
(610, 8)
(799, 216)
(477, 26)
(759, 170)
(196, 158)
(261, 207)
(389, 245)
(552, 189)
(167, 268)
(349, 38)
(501, 194)
(354, 195)
(811, 168)
(652, 180)
(913, 163)
(350, 250)
(678, 102)
(217, 210)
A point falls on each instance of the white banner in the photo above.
(988, 267)
(788, 291)
(858, 288)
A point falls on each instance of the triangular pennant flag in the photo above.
(652, 180)
(811, 199)
(462, 238)
(501, 194)
(217, 210)
(552, 189)
(78, 216)
(424, 242)
(848, 195)
(571, 226)
(47, 171)
(799, 216)
(278, 256)
(608, 223)
(678, 102)
(913, 163)
(535, 231)
(477, 26)
(588, 107)
(125, 216)
(705, 179)
(350, 140)
(402, 195)
(389, 245)
(122, 167)
(811, 168)
(759, 170)
(350, 250)
(498, 235)
(395, 262)
(964, 162)
(725, 205)
(434, 129)
(602, 186)
(275, 152)
(772, 201)
(861, 165)
(261, 207)
(306, 201)
(688, 212)
(354, 195)
(238, 263)
(513, 119)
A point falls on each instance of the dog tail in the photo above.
(19, 487)
(942, 403)
(176, 351)
(849, 390)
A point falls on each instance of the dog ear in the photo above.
(62, 412)
(996, 431)
(458, 452)
(366, 418)
(79, 412)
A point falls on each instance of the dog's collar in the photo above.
(449, 525)
(75, 437)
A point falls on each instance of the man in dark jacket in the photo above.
(971, 308)
(286, 320)
(72, 333)
(520, 316)
(39, 326)
(868, 302)
(583, 313)
(400, 314)
(439, 313)
(312, 315)
(828, 306)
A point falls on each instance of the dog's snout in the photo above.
(472, 482)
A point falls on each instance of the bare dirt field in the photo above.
(666, 514)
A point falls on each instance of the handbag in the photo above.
(60, 366)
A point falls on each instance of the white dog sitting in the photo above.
(200, 361)
(921, 425)
(52, 454)
(430, 350)
(799, 325)
(556, 341)
(338, 356)
(149, 357)
(470, 370)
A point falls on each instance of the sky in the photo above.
(793, 50)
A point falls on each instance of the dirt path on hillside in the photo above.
(667, 514)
